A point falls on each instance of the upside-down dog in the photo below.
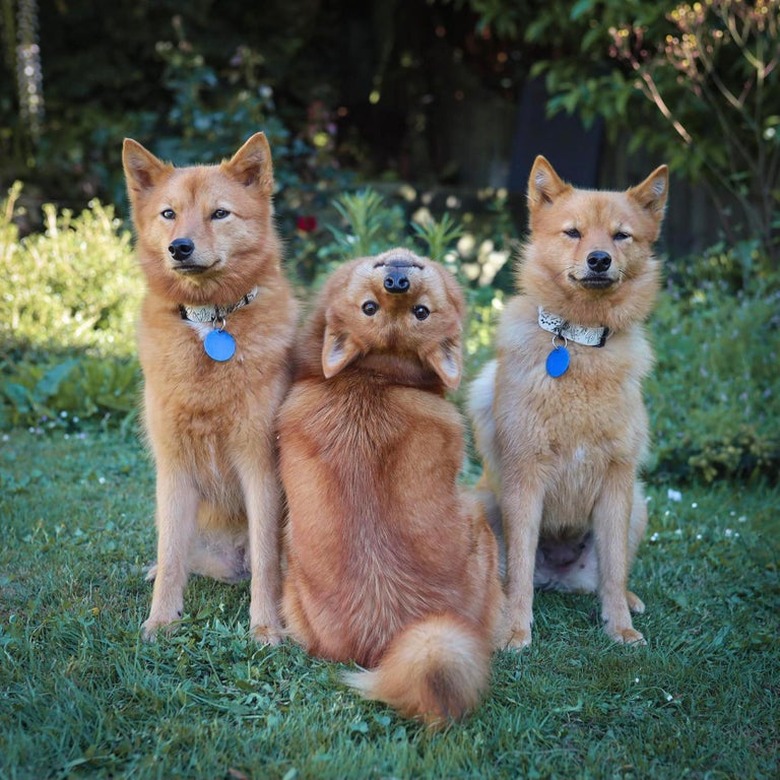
(558, 416)
(390, 564)
(214, 338)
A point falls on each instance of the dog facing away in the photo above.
(389, 564)
(558, 416)
(214, 336)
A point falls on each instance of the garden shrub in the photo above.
(70, 297)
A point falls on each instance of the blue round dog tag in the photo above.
(219, 345)
(558, 362)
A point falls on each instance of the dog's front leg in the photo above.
(611, 515)
(177, 506)
(522, 501)
(263, 503)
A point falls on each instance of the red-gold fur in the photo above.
(210, 424)
(389, 564)
(561, 455)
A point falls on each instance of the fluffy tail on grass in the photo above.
(436, 670)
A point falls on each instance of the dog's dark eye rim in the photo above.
(370, 308)
(168, 214)
(220, 214)
(572, 233)
(621, 235)
(421, 312)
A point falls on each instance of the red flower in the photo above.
(306, 224)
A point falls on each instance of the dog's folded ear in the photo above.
(142, 169)
(252, 164)
(446, 359)
(339, 349)
(653, 191)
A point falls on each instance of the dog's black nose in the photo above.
(599, 261)
(181, 249)
(396, 281)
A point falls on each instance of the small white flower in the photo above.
(102, 480)
(654, 537)
(636, 679)
(742, 519)
(674, 495)
(6, 437)
(694, 505)
(669, 697)
(63, 414)
(729, 533)
(698, 536)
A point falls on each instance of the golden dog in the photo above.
(390, 565)
(558, 416)
(214, 336)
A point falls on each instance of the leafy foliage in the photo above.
(67, 319)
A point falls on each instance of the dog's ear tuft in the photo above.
(446, 359)
(142, 169)
(544, 184)
(339, 349)
(652, 193)
(252, 164)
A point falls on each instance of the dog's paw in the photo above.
(152, 627)
(635, 604)
(267, 635)
(517, 639)
(627, 636)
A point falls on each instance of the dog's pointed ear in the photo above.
(446, 359)
(652, 193)
(252, 164)
(142, 169)
(544, 184)
(339, 349)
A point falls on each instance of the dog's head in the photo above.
(398, 314)
(592, 247)
(203, 230)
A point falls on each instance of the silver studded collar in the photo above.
(579, 334)
(215, 314)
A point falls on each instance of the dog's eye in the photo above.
(168, 214)
(220, 214)
(370, 308)
(573, 233)
(621, 236)
(421, 312)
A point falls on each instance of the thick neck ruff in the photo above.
(215, 314)
(579, 334)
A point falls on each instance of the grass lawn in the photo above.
(81, 695)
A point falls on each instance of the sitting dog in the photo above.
(389, 564)
(559, 417)
(214, 339)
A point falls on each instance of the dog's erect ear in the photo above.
(653, 191)
(252, 164)
(544, 184)
(142, 169)
(446, 359)
(339, 349)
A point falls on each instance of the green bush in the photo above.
(714, 396)
(67, 315)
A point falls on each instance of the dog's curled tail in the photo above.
(436, 669)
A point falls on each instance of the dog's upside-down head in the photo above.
(397, 314)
